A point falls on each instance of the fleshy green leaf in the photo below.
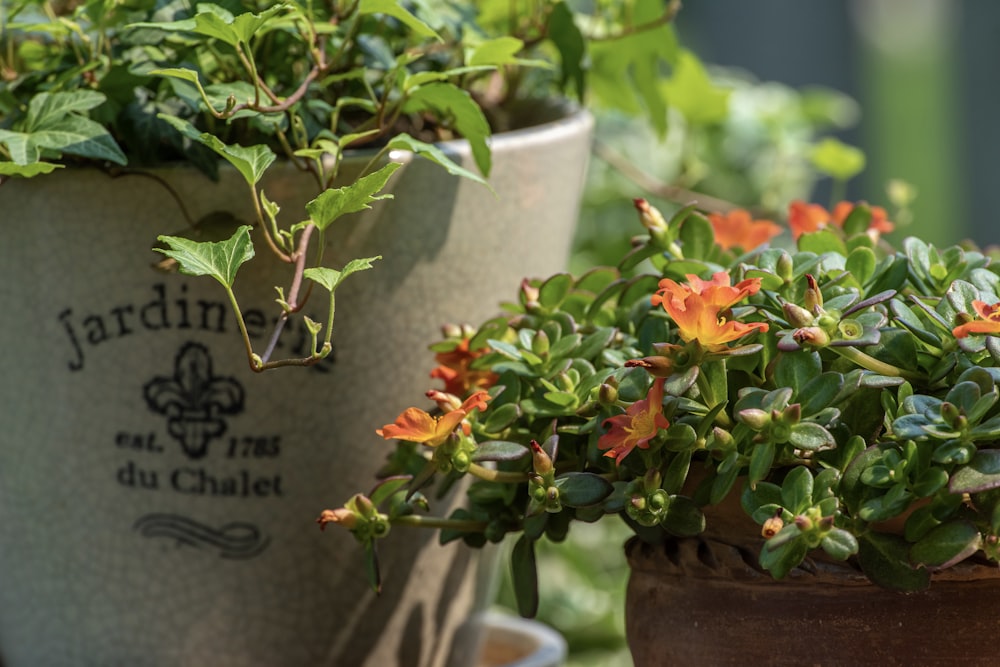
(218, 259)
(579, 489)
(885, 560)
(981, 473)
(335, 202)
(947, 544)
(500, 450)
(524, 574)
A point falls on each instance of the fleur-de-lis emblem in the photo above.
(193, 400)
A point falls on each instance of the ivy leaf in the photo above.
(251, 161)
(692, 92)
(434, 154)
(81, 136)
(572, 47)
(214, 21)
(331, 278)
(395, 10)
(48, 108)
(500, 51)
(456, 106)
(27, 170)
(218, 259)
(336, 202)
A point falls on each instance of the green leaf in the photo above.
(811, 437)
(980, 474)
(27, 170)
(840, 544)
(499, 51)
(947, 544)
(835, 158)
(500, 450)
(692, 92)
(394, 9)
(219, 259)
(572, 47)
(683, 518)
(579, 489)
(884, 558)
(796, 369)
(434, 154)
(524, 574)
(697, 238)
(250, 161)
(457, 108)
(47, 108)
(861, 264)
(331, 278)
(182, 73)
(387, 487)
(797, 489)
(336, 202)
(81, 136)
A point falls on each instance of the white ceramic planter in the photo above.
(157, 498)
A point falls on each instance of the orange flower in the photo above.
(458, 377)
(640, 423)
(805, 218)
(879, 224)
(988, 324)
(699, 308)
(415, 425)
(737, 229)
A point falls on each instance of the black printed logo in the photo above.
(194, 400)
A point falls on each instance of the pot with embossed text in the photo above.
(157, 497)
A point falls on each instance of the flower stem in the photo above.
(500, 476)
(873, 364)
(465, 525)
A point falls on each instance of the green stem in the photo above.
(499, 476)
(464, 525)
(254, 360)
(873, 364)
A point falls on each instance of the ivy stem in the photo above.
(465, 525)
(291, 302)
(873, 364)
(499, 476)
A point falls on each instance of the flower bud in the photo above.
(541, 460)
(772, 526)
(447, 402)
(797, 316)
(660, 367)
(341, 515)
(814, 336)
(813, 297)
(756, 419)
(650, 218)
(785, 267)
(608, 394)
(461, 461)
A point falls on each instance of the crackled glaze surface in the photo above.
(157, 498)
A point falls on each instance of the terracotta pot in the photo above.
(706, 602)
(157, 498)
